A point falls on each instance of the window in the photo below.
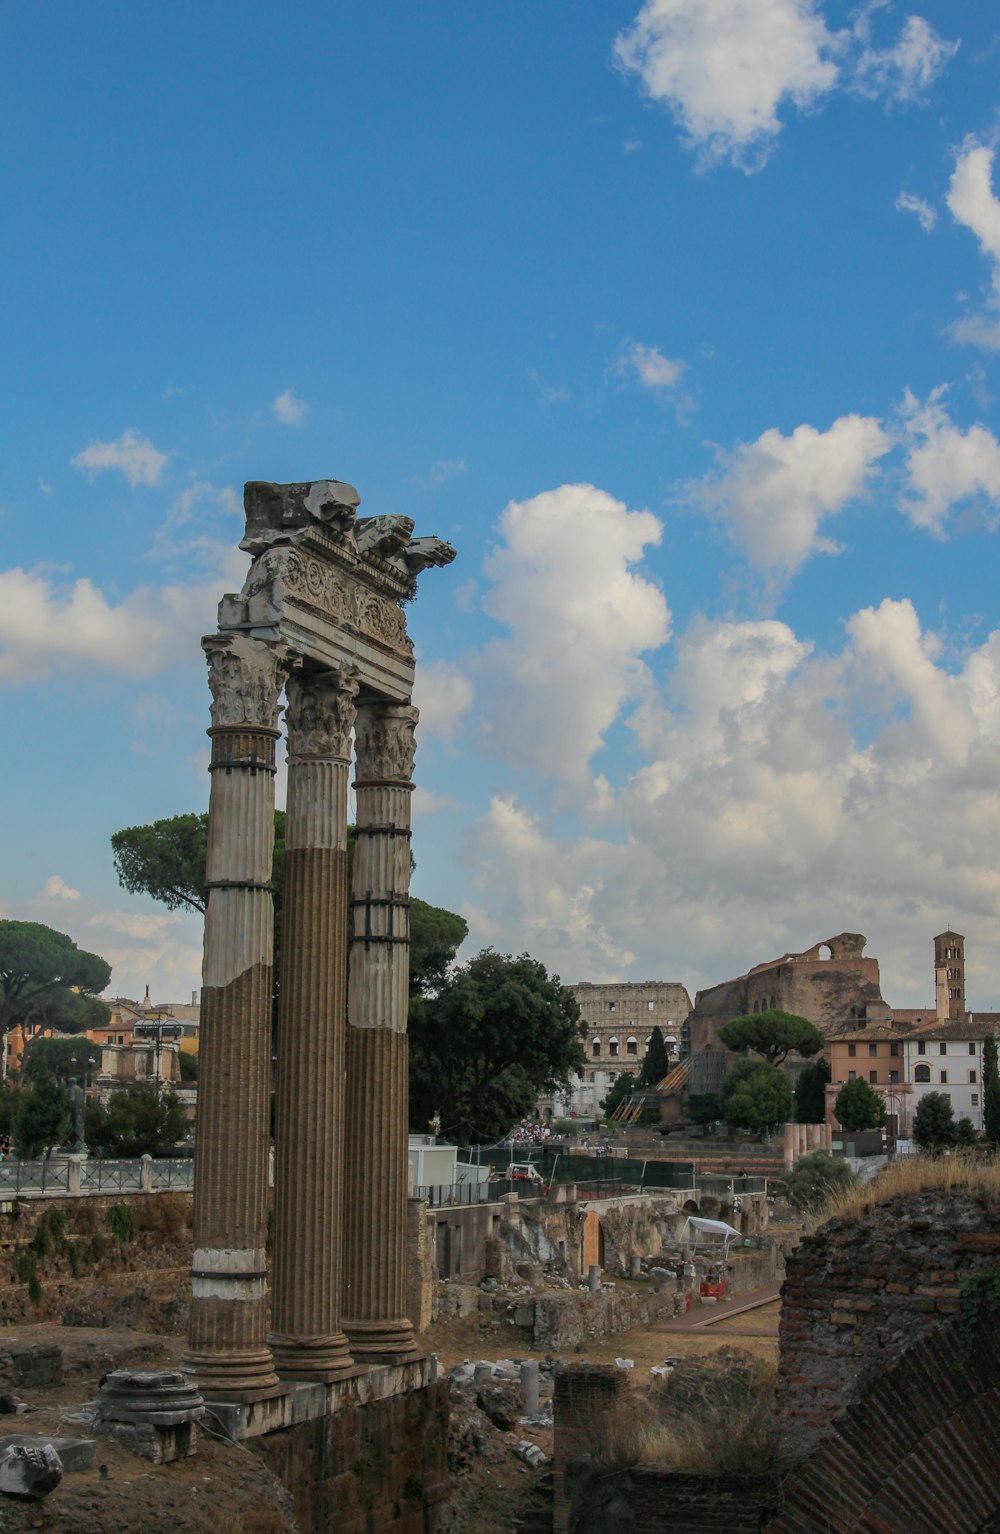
(595, 1048)
(873, 1077)
(894, 1051)
(944, 1078)
(921, 1048)
(894, 1078)
(972, 1049)
(852, 1075)
(612, 1006)
(922, 1073)
(852, 1050)
(651, 1006)
(972, 1077)
(613, 1048)
(632, 1047)
(873, 1049)
(974, 1098)
(942, 1049)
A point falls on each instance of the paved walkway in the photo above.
(700, 1316)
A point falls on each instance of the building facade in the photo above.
(619, 1020)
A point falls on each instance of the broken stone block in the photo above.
(153, 1412)
(75, 1454)
(30, 1474)
(35, 1365)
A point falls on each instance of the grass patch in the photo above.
(910, 1175)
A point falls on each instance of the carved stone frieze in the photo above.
(320, 714)
(245, 676)
(342, 598)
(385, 741)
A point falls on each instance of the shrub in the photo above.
(817, 1178)
(122, 1223)
(74, 1252)
(858, 1106)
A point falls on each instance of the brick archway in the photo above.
(918, 1452)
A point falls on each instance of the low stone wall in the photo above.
(560, 1322)
(644, 1500)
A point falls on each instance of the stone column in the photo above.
(227, 1343)
(307, 1340)
(377, 1091)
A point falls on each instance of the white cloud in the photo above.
(654, 370)
(903, 72)
(725, 67)
(973, 204)
(425, 803)
(289, 409)
(946, 466)
(444, 695)
(578, 618)
(775, 493)
(136, 457)
(49, 627)
(56, 888)
(907, 202)
(446, 469)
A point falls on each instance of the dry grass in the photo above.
(727, 1432)
(909, 1175)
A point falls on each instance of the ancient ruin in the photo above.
(320, 617)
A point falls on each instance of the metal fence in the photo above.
(28, 1179)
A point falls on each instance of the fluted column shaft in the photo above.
(227, 1341)
(377, 1085)
(307, 1340)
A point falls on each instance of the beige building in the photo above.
(619, 1020)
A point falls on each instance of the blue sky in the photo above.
(680, 321)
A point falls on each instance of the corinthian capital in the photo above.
(385, 741)
(320, 714)
(246, 677)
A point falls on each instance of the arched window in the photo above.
(613, 1048)
(631, 1046)
(774, 1002)
(922, 1073)
(595, 1048)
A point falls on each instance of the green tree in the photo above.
(934, 1128)
(435, 937)
(622, 1087)
(139, 1121)
(991, 1092)
(494, 1034)
(165, 860)
(772, 1034)
(41, 968)
(43, 1117)
(703, 1107)
(188, 1064)
(756, 1096)
(657, 1062)
(817, 1178)
(68, 1060)
(810, 1093)
(858, 1106)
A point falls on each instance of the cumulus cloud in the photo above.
(945, 466)
(785, 795)
(135, 457)
(907, 202)
(972, 203)
(578, 616)
(289, 409)
(50, 627)
(56, 888)
(774, 494)
(904, 72)
(725, 67)
(444, 694)
(653, 369)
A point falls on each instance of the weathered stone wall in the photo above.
(858, 1294)
(560, 1322)
(379, 1468)
(644, 1500)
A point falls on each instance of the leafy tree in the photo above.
(965, 1132)
(435, 937)
(68, 1060)
(934, 1127)
(810, 1093)
(165, 860)
(657, 1061)
(622, 1087)
(703, 1107)
(189, 1065)
(858, 1106)
(496, 1033)
(772, 1034)
(139, 1121)
(41, 969)
(991, 1092)
(817, 1178)
(43, 1117)
(756, 1095)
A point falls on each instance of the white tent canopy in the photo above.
(716, 1230)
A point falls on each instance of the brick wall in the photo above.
(857, 1295)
